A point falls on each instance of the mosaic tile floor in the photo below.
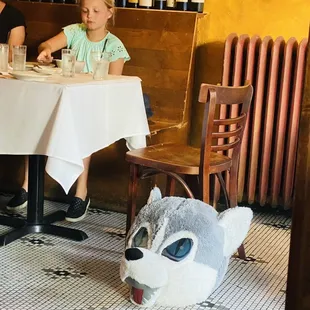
(41, 272)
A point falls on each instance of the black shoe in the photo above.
(77, 209)
(19, 201)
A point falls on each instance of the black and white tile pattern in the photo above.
(41, 272)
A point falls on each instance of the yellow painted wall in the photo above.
(264, 17)
(287, 18)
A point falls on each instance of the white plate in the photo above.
(29, 76)
(41, 64)
(46, 70)
(31, 64)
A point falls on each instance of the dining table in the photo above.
(59, 121)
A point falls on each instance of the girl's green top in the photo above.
(78, 41)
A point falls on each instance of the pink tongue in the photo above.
(137, 295)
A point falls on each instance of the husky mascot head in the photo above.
(178, 249)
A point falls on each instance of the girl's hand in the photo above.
(45, 56)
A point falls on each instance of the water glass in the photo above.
(68, 58)
(19, 57)
(4, 57)
(100, 64)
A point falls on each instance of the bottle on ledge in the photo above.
(182, 5)
(196, 5)
(145, 4)
(132, 3)
(160, 4)
(121, 3)
(170, 5)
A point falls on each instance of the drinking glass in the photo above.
(19, 57)
(68, 62)
(100, 62)
(94, 55)
(4, 57)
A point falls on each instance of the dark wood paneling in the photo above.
(156, 19)
(159, 59)
(298, 288)
(165, 78)
(166, 112)
(155, 40)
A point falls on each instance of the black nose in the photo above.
(133, 254)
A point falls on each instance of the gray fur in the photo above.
(190, 215)
(215, 238)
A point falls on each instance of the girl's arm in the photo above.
(16, 37)
(50, 46)
(116, 67)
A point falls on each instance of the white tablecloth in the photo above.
(68, 119)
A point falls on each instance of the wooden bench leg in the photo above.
(132, 195)
(170, 186)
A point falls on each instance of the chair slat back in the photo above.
(229, 121)
(227, 94)
(228, 130)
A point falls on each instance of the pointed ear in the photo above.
(236, 224)
(155, 195)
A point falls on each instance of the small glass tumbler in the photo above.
(68, 58)
(19, 57)
(4, 57)
(100, 64)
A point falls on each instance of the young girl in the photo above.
(91, 35)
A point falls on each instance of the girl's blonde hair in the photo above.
(110, 5)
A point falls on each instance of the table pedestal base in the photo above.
(35, 222)
(24, 228)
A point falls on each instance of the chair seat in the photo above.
(176, 158)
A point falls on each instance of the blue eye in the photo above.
(178, 250)
(140, 239)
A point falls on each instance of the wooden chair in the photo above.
(218, 136)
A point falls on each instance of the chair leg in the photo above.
(170, 186)
(241, 252)
(233, 185)
(205, 188)
(223, 186)
(233, 192)
(132, 195)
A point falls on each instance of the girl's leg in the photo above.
(81, 187)
(80, 203)
(20, 199)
